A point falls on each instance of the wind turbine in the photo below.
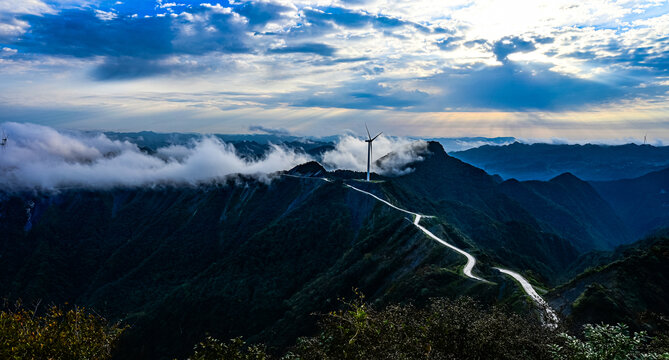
(369, 148)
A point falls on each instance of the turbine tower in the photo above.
(369, 148)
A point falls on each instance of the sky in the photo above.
(561, 69)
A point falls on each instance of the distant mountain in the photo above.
(252, 258)
(247, 145)
(587, 162)
(571, 207)
(642, 203)
(566, 205)
(465, 143)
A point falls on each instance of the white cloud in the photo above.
(34, 7)
(105, 15)
(591, 39)
(5, 51)
(42, 158)
(11, 28)
(351, 153)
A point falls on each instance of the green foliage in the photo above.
(634, 281)
(234, 349)
(58, 334)
(446, 329)
(604, 342)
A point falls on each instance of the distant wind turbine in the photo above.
(369, 148)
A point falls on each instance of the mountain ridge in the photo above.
(264, 255)
(591, 162)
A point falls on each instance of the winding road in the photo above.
(549, 316)
(471, 260)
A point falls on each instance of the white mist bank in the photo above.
(43, 158)
(351, 153)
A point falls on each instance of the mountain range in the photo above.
(245, 257)
(590, 162)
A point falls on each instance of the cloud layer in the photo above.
(43, 158)
(351, 153)
(290, 59)
(39, 157)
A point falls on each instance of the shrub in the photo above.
(58, 334)
(446, 329)
(234, 349)
(604, 342)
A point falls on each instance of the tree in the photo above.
(604, 342)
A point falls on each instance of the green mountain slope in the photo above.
(255, 258)
(538, 226)
(569, 206)
(245, 259)
(633, 282)
(642, 203)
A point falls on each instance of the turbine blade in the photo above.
(377, 135)
(368, 135)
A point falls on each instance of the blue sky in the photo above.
(579, 70)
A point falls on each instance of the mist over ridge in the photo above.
(44, 158)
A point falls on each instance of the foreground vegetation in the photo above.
(444, 329)
(56, 334)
